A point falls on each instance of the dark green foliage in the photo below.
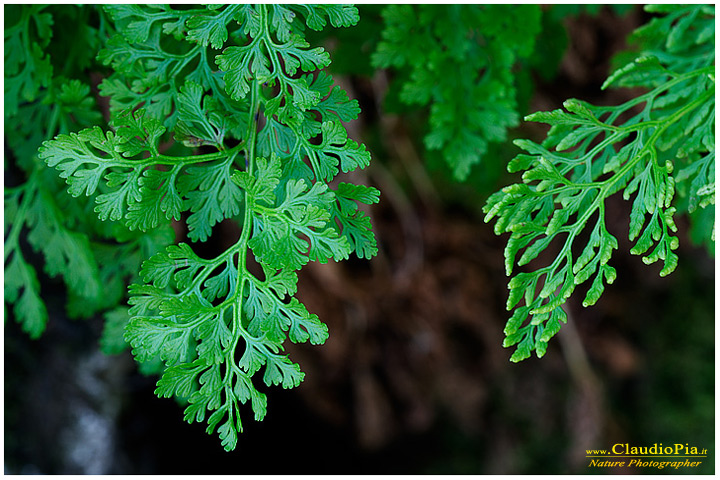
(46, 94)
(458, 60)
(241, 82)
(592, 152)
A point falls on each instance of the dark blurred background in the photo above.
(413, 379)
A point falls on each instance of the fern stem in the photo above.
(242, 245)
(52, 123)
(29, 192)
(207, 157)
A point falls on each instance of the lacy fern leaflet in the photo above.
(270, 128)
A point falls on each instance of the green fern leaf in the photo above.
(215, 326)
(592, 152)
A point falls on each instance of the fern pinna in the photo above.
(592, 152)
(241, 83)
